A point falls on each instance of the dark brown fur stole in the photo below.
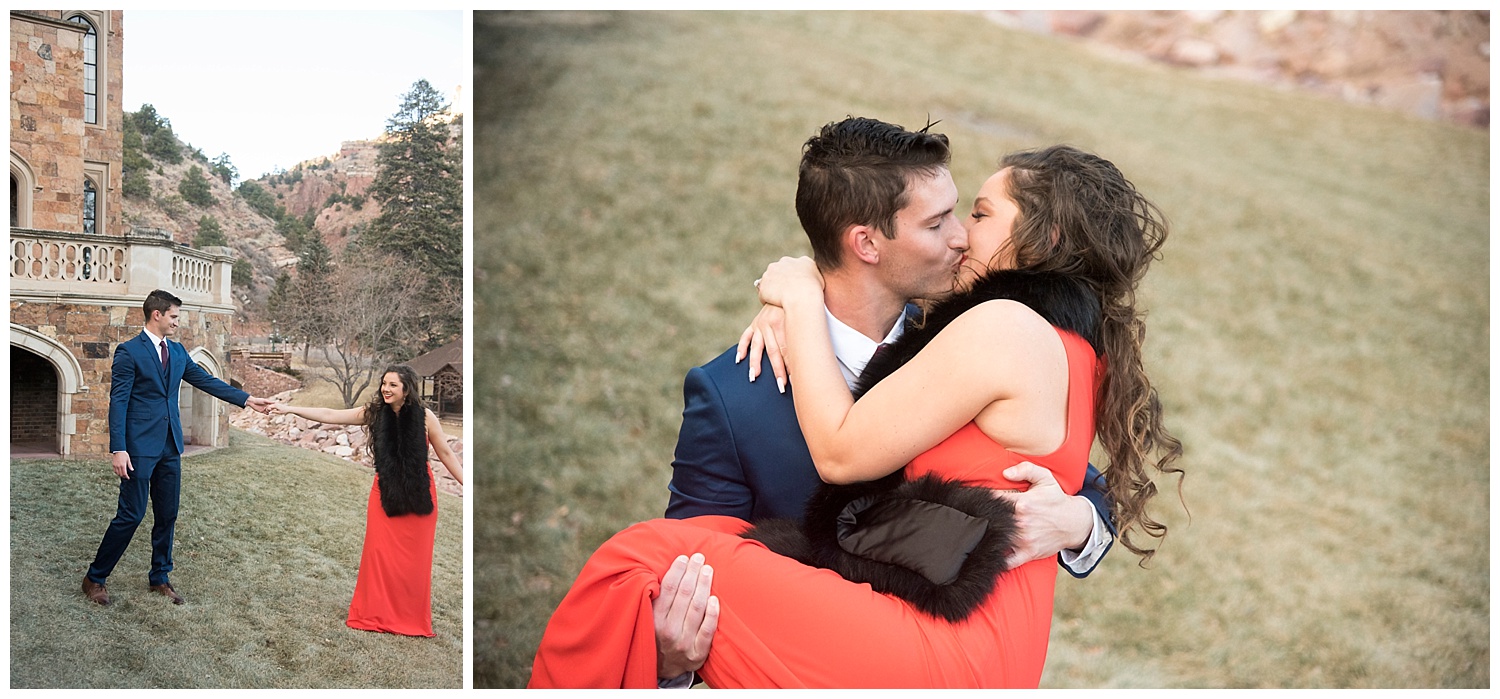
(935, 543)
(400, 446)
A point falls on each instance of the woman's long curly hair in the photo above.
(1080, 216)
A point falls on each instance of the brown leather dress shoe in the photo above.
(166, 589)
(95, 592)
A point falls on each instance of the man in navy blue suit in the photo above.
(878, 205)
(145, 438)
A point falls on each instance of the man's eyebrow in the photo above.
(942, 214)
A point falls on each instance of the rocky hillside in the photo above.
(1432, 64)
(327, 186)
(333, 189)
(252, 236)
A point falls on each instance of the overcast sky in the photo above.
(272, 89)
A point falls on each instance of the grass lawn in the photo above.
(1318, 328)
(267, 549)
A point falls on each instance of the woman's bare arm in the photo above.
(351, 416)
(440, 447)
(999, 358)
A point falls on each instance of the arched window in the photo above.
(22, 184)
(90, 70)
(90, 199)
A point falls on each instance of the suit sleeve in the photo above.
(210, 384)
(1093, 489)
(707, 478)
(121, 381)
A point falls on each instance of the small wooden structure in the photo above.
(442, 374)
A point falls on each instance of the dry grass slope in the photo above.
(268, 545)
(1318, 329)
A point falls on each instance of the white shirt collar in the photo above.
(853, 349)
(155, 341)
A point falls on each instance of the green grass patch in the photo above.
(267, 550)
(1318, 329)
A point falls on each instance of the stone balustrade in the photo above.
(61, 265)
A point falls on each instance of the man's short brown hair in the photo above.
(159, 300)
(855, 172)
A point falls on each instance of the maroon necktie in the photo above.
(163, 356)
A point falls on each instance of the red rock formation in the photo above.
(1433, 64)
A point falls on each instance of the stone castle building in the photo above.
(78, 275)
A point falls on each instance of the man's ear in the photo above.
(860, 244)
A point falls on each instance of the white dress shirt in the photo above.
(853, 349)
(155, 342)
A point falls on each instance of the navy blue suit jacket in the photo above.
(143, 412)
(741, 453)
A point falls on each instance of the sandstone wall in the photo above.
(90, 333)
(47, 124)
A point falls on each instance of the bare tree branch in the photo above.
(370, 317)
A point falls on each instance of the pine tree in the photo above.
(194, 188)
(224, 170)
(147, 121)
(298, 304)
(286, 310)
(315, 259)
(280, 301)
(293, 230)
(260, 200)
(241, 273)
(133, 180)
(311, 289)
(155, 134)
(419, 185)
(209, 233)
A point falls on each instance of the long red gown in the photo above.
(783, 624)
(393, 592)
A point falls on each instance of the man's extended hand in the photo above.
(1047, 519)
(120, 462)
(259, 405)
(686, 617)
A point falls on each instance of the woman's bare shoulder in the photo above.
(1002, 318)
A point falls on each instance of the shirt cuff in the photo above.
(683, 681)
(1084, 559)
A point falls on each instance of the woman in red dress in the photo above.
(393, 592)
(996, 385)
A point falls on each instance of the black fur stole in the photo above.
(935, 543)
(400, 446)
